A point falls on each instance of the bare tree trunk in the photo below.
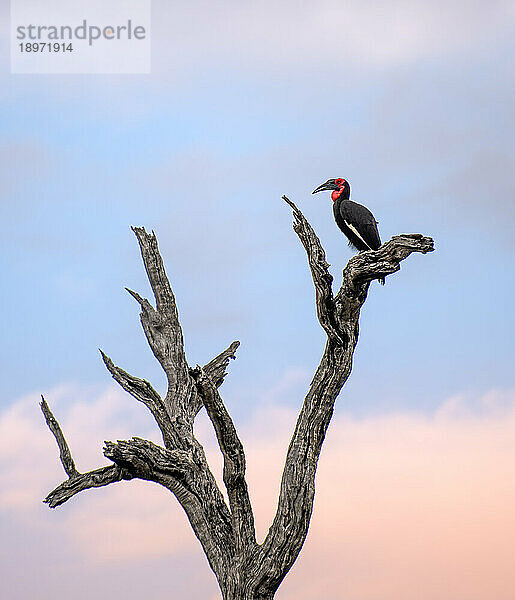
(245, 570)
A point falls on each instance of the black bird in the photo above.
(355, 220)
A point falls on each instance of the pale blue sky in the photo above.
(413, 105)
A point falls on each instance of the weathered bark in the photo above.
(244, 569)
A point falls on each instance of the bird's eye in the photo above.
(339, 181)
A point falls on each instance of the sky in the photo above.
(413, 103)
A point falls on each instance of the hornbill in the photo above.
(355, 220)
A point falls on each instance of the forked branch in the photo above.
(76, 482)
(181, 465)
(339, 317)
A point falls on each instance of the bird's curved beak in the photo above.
(328, 185)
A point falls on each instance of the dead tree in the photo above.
(245, 570)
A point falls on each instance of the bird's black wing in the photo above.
(362, 223)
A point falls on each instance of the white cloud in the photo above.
(330, 32)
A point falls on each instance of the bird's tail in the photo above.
(381, 280)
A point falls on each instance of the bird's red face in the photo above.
(335, 194)
(337, 186)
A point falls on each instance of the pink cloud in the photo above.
(414, 507)
(407, 506)
(104, 526)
